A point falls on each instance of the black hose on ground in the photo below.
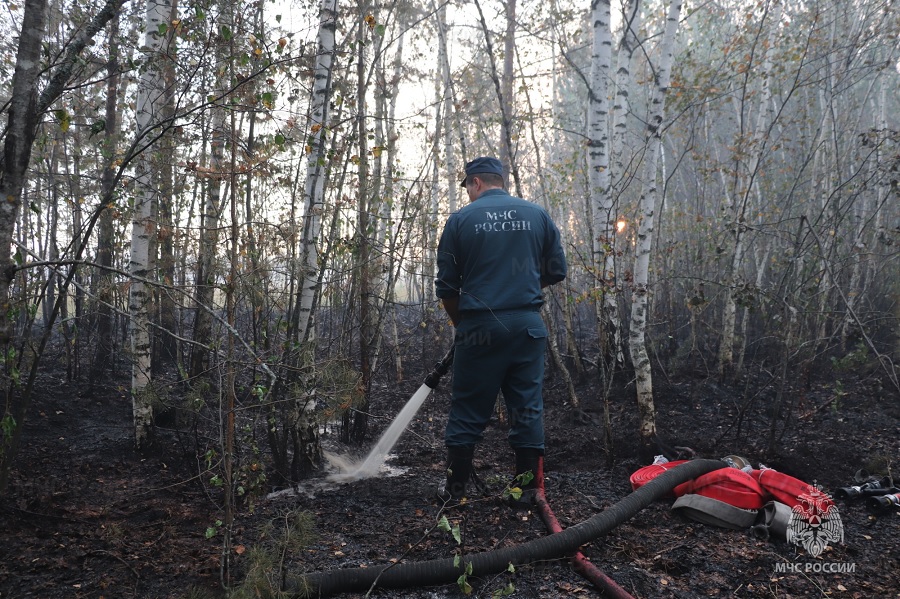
(580, 562)
(442, 571)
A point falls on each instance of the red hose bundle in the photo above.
(644, 475)
(733, 486)
(783, 487)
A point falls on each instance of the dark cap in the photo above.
(481, 166)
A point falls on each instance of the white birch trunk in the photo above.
(603, 213)
(639, 304)
(314, 194)
(150, 96)
(621, 104)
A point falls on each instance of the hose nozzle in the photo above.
(883, 502)
(440, 369)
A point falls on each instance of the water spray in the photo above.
(372, 463)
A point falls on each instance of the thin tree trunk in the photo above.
(149, 99)
(205, 279)
(106, 230)
(360, 417)
(640, 300)
(314, 193)
(547, 310)
(302, 427)
(622, 104)
(21, 125)
(504, 98)
(507, 156)
(447, 83)
(166, 343)
(602, 205)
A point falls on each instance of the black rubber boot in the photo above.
(459, 470)
(527, 460)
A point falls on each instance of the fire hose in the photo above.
(580, 562)
(445, 571)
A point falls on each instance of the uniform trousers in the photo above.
(498, 351)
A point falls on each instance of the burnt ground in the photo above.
(88, 516)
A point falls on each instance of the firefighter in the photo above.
(494, 257)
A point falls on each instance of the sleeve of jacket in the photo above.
(449, 273)
(553, 262)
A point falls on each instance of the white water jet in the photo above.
(369, 467)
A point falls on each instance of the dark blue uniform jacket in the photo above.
(497, 252)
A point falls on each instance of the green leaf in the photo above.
(210, 532)
(199, 14)
(456, 534)
(8, 425)
(456, 561)
(379, 30)
(511, 568)
(20, 260)
(464, 585)
(34, 208)
(444, 524)
(162, 28)
(225, 31)
(278, 18)
(279, 139)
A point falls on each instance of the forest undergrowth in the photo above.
(88, 516)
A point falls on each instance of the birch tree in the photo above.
(150, 97)
(628, 44)
(314, 190)
(639, 303)
(601, 200)
(301, 429)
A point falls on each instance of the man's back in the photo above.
(497, 253)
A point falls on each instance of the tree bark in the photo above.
(22, 123)
(151, 90)
(165, 341)
(314, 191)
(639, 304)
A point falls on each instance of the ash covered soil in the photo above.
(88, 516)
